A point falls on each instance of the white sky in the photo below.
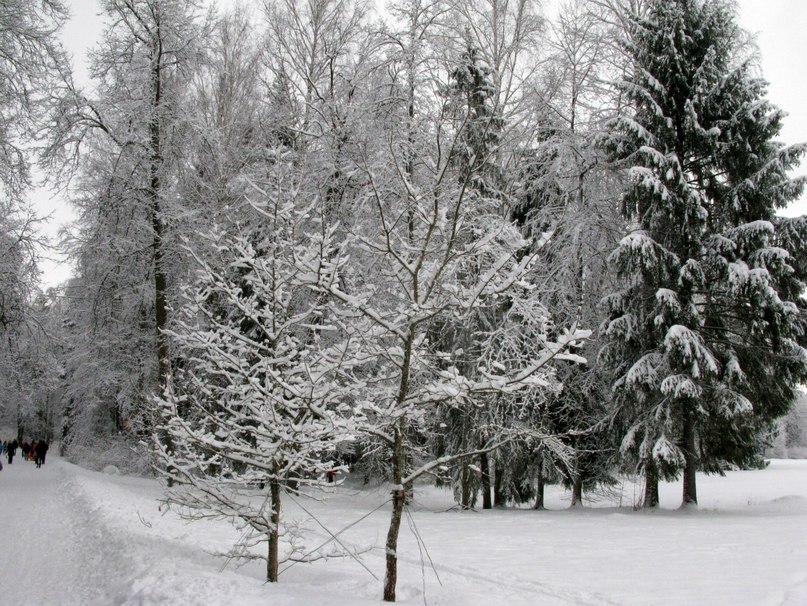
(781, 29)
(780, 25)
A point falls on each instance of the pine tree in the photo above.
(472, 94)
(568, 188)
(471, 99)
(702, 335)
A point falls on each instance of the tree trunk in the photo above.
(465, 486)
(391, 577)
(650, 499)
(20, 426)
(274, 533)
(498, 493)
(158, 232)
(577, 490)
(398, 501)
(485, 465)
(690, 460)
(539, 489)
(160, 297)
(398, 472)
(410, 150)
(155, 189)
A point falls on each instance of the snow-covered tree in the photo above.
(568, 186)
(125, 140)
(702, 334)
(255, 398)
(472, 107)
(229, 134)
(31, 65)
(432, 252)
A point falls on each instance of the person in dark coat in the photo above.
(41, 451)
(11, 450)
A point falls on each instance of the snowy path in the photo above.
(59, 555)
(72, 537)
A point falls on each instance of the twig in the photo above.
(143, 521)
(334, 537)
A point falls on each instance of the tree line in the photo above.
(454, 241)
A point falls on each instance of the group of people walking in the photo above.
(35, 451)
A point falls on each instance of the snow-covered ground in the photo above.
(73, 537)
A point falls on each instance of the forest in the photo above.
(455, 242)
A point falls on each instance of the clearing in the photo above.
(71, 536)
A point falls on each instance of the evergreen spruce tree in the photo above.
(703, 332)
(470, 96)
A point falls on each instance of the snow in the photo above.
(75, 537)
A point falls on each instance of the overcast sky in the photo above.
(780, 26)
(781, 29)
